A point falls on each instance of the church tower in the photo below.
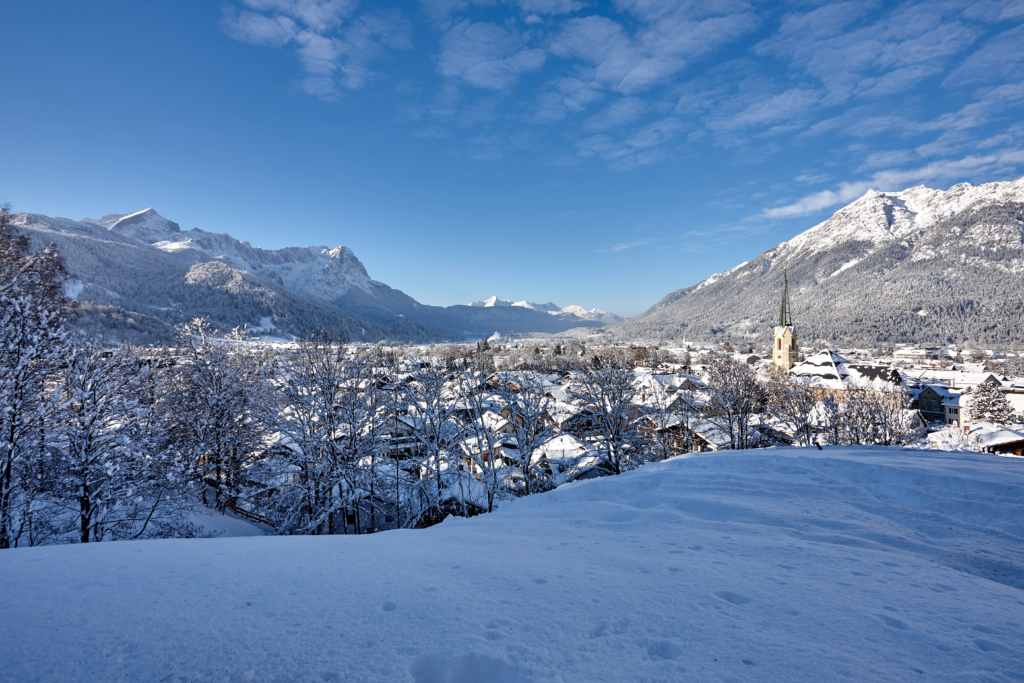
(784, 350)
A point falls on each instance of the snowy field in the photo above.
(771, 565)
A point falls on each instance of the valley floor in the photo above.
(769, 565)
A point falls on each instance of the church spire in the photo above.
(784, 314)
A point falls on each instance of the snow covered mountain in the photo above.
(593, 314)
(922, 265)
(135, 273)
(578, 311)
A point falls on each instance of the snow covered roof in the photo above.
(987, 435)
(828, 370)
(562, 447)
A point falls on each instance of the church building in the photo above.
(784, 350)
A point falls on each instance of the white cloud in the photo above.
(895, 180)
(562, 97)
(663, 45)
(622, 246)
(317, 15)
(638, 148)
(888, 55)
(619, 113)
(250, 27)
(549, 6)
(486, 55)
(333, 53)
(887, 158)
(797, 103)
(1001, 57)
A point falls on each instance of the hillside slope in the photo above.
(774, 565)
(922, 266)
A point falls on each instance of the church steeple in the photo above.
(784, 350)
(784, 314)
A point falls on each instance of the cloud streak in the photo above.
(626, 245)
(335, 46)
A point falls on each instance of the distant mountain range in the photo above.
(578, 311)
(135, 274)
(920, 266)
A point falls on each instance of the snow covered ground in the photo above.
(771, 565)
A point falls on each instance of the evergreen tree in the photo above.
(989, 404)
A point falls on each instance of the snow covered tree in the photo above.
(876, 413)
(988, 404)
(483, 443)
(792, 404)
(109, 470)
(525, 405)
(360, 439)
(32, 337)
(607, 390)
(671, 417)
(328, 424)
(736, 399)
(218, 407)
(431, 412)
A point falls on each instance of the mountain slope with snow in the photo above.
(141, 266)
(787, 565)
(921, 265)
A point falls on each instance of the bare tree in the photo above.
(525, 406)
(736, 398)
(671, 419)
(483, 445)
(792, 403)
(607, 390)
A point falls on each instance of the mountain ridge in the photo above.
(142, 263)
(916, 266)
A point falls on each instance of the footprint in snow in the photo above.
(664, 649)
(895, 623)
(989, 646)
(389, 606)
(540, 581)
(604, 628)
(734, 598)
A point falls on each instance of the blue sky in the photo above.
(581, 152)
